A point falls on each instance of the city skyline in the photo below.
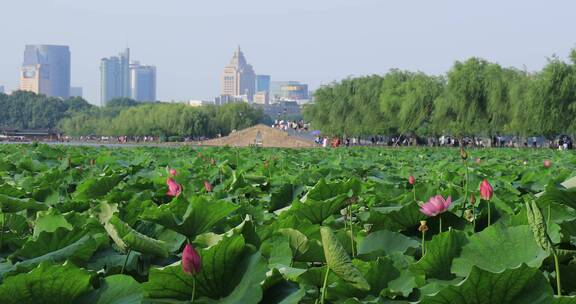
(330, 40)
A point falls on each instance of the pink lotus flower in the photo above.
(436, 205)
(174, 189)
(207, 186)
(486, 191)
(191, 261)
(547, 163)
(411, 180)
(172, 172)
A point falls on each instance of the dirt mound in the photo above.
(260, 135)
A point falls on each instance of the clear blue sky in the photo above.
(314, 41)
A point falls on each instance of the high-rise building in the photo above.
(115, 77)
(263, 83)
(76, 92)
(238, 77)
(46, 70)
(142, 82)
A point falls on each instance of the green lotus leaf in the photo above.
(190, 218)
(440, 252)
(10, 204)
(382, 242)
(230, 273)
(46, 284)
(339, 262)
(117, 289)
(497, 248)
(513, 286)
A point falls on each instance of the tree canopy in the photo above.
(475, 97)
(26, 110)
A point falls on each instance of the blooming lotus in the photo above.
(191, 261)
(486, 191)
(547, 163)
(207, 186)
(411, 180)
(174, 189)
(436, 205)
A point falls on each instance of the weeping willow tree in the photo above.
(407, 101)
(476, 97)
(552, 98)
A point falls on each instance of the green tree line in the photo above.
(475, 97)
(123, 116)
(161, 119)
(26, 110)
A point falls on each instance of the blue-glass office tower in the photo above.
(115, 77)
(262, 83)
(46, 70)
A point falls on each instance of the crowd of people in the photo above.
(560, 143)
(295, 125)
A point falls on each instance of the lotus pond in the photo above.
(111, 225)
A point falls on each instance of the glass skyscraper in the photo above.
(115, 77)
(262, 83)
(142, 82)
(46, 70)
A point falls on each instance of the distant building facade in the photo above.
(142, 82)
(238, 78)
(76, 92)
(263, 83)
(261, 97)
(199, 103)
(115, 77)
(288, 90)
(281, 110)
(46, 70)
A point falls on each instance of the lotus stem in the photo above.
(548, 215)
(414, 191)
(558, 285)
(465, 186)
(193, 289)
(440, 224)
(474, 217)
(325, 285)
(489, 213)
(125, 261)
(351, 231)
(2, 231)
(423, 243)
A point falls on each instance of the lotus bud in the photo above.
(411, 180)
(463, 153)
(207, 186)
(191, 261)
(547, 163)
(486, 190)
